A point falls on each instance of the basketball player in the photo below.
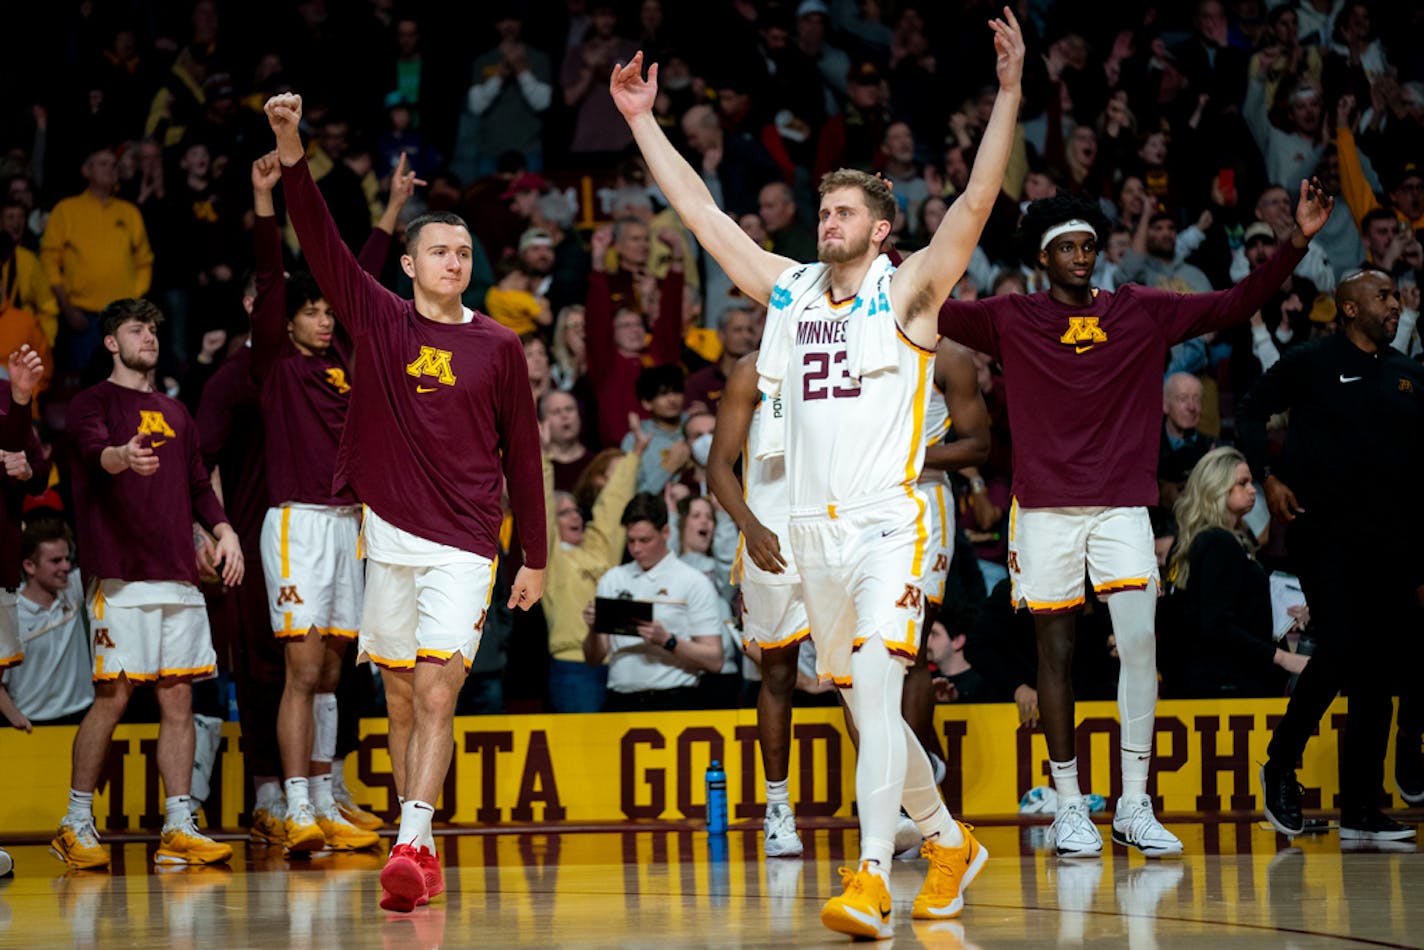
(139, 484)
(1085, 370)
(310, 551)
(849, 350)
(446, 419)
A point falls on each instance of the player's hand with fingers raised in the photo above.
(632, 94)
(1009, 50)
(1314, 207)
(527, 588)
(26, 369)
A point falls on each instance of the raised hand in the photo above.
(26, 369)
(633, 94)
(641, 437)
(284, 112)
(1314, 207)
(1009, 45)
(266, 172)
(403, 182)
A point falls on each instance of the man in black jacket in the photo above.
(1346, 488)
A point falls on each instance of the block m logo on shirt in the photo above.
(1083, 330)
(152, 424)
(434, 363)
(336, 379)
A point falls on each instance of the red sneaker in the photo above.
(403, 879)
(434, 876)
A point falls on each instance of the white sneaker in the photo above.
(7, 863)
(907, 838)
(1134, 825)
(1073, 832)
(782, 841)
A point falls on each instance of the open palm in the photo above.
(1314, 207)
(632, 94)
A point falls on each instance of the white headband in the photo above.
(1067, 226)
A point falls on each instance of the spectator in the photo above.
(599, 134)
(734, 166)
(616, 333)
(812, 21)
(1289, 130)
(696, 524)
(401, 138)
(95, 249)
(659, 667)
(777, 206)
(660, 391)
(955, 681)
(851, 138)
(1212, 66)
(54, 686)
(1284, 58)
(563, 450)
(739, 334)
(1386, 240)
(518, 300)
(902, 170)
(536, 357)
(1273, 209)
(511, 91)
(1153, 259)
(1223, 644)
(24, 284)
(1182, 445)
(584, 553)
(568, 274)
(595, 478)
(569, 349)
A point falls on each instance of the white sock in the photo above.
(778, 793)
(81, 807)
(176, 811)
(321, 799)
(338, 778)
(1135, 765)
(415, 825)
(298, 792)
(1065, 780)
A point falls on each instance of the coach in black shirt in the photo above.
(1347, 489)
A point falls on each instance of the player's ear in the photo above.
(408, 265)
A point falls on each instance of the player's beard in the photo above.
(138, 361)
(843, 253)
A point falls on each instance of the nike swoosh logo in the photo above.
(154, 445)
(1084, 349)
(1350, 379)
(885, 910)
(425, 389)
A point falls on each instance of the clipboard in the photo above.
(619, 616)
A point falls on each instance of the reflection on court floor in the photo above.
(1240, 885)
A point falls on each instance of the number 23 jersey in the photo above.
(846, 440)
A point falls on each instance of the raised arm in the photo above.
(753, 269)
(337, 273)
(957, 378)
(667, 327)
(269, 331)
(740, 399)
(1191, 315)
(924, 280)
(26, 371)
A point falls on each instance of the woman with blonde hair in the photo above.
(570, 359)
(1223, 604)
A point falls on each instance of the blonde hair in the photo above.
(1202, 506)
(563, 356)
(877, 194)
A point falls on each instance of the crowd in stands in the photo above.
(125, 173)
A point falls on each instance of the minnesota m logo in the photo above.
(910, 598)
(432, 362)
(336, 378)
(151, 422)
(1083, 330)
(288, 595)
(102, 638)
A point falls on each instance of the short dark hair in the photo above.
(413, 229)
(646, 506)
(126, 310)
(1377, 214)
(653, 381)
(1048, 212)
(40, 531)
(301, 290)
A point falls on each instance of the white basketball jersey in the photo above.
(936, 431)
(845, 440)
(767, 495)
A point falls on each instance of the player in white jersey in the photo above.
(773, 614)
(956, 436)
(854, 443)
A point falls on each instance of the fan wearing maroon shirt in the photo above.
(446, 419)
(139, 484)
(1085, 367)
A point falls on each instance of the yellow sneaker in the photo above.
(341, 835)
(185, 844)
(358, 816)
(951, 871)
(77, 845)
(864, 909)
(302, 834)
(267, 827)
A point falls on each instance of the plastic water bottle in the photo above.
(716, 799)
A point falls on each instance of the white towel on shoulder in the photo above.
(870, 335)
